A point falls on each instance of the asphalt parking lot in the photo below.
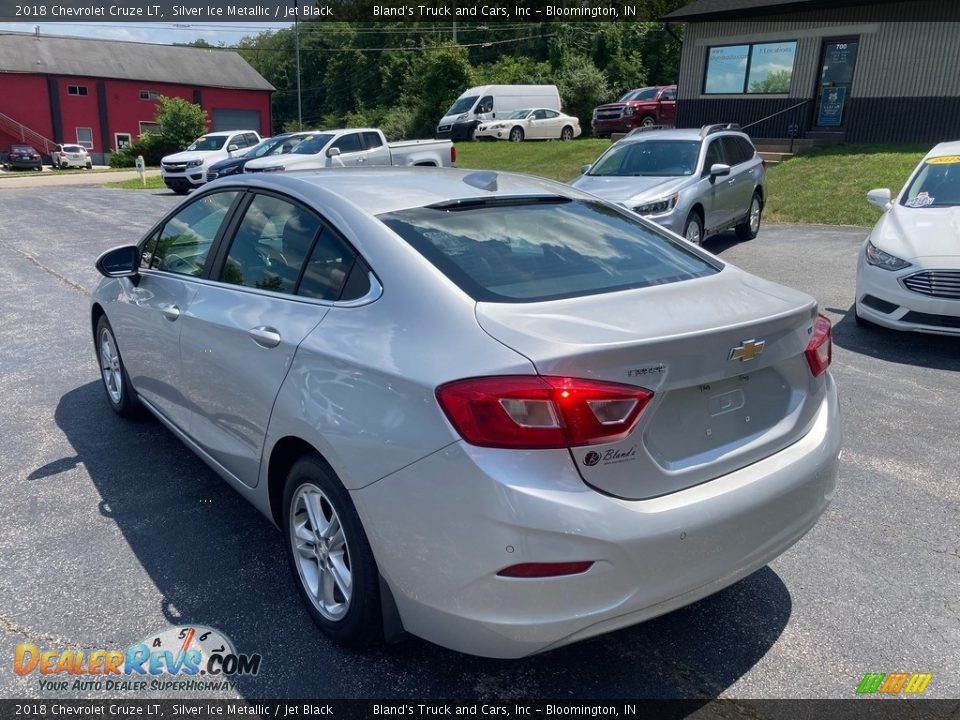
(113, 530)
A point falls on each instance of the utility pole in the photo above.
(296, 33)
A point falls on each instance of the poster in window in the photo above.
(726, 69)
(831, 106)
(771, 67)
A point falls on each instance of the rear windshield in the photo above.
(72, 148)
(528, 250)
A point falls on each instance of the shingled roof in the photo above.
(703, 10)
(116, 59)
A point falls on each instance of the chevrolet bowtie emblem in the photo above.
(747, 350)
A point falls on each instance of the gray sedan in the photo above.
(488, 410)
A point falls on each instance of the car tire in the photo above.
(180, 190)
(648, 121)
(750, 228)
(516, 134)
(567, 133)
(336, 573)
(116, 383)
(693, 228)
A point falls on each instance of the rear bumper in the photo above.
(443, 527)
(75, 162)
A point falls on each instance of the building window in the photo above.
(79, 90)
(148, 127)
(85, 137)
(149, 95)
(761, 68)
(122, 140)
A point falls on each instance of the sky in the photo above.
(214, 33)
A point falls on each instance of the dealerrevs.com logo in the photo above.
(183, 658)
(894, 683)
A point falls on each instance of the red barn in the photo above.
(102, 93)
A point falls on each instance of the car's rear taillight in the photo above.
(539, 412)
(819, 350)
(453, 154)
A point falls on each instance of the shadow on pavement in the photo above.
(939, 352)
(218, 562)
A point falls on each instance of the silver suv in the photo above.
(695, 182)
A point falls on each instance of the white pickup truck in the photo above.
(357, 147)
(188, 169)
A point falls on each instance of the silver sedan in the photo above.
(488, 410)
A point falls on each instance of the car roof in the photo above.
(944, 148)
(378, 190)
(679, 134)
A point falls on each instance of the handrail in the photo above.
(26, 134)
(778, 112)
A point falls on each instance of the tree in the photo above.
(775, 82)
(180, 122)
(582, 87)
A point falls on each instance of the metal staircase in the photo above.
(18, 130)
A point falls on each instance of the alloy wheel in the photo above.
(110, 366)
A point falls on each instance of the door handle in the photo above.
(170, 312)
(264, 336)
(731, 181)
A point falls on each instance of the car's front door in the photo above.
(667, 106)
(243, 329)
(148, 318)
(717, 201)
(351, 150)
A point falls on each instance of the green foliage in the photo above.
(582, 87)
(775, 82)
(152, 147)
(180, 122)
(406, 74)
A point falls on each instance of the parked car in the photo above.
(277, 145)
(531, 124)
(549, 457)
(22, 157)
(67, 156)
(486, 103)
(908, 271)
(643, 107)
(694, 182)
(188, 169)
(356, 147)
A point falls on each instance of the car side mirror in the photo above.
(718, 170)
(120, 262)
(232, 148)
(333, 152)
(584, 169)
(880, 197)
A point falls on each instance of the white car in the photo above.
(67, 156)
(908, 274)
(185, 170)
(531, 124)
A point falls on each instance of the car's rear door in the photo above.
(245, 325)
(148, 316)
(718, 200)
(742, 178)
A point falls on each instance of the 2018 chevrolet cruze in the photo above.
(489, 410)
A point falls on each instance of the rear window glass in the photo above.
(544, 249)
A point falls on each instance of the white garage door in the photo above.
(231, 119)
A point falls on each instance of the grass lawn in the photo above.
(829, 186)
(551, 158)
(154, 182)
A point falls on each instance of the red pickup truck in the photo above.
(641, 107)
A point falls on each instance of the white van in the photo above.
(488, 102)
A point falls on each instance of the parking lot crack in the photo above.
(62, 278)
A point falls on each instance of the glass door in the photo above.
(836, 79)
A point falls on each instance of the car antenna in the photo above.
(483, 180)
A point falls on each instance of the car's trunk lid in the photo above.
(712, 411)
